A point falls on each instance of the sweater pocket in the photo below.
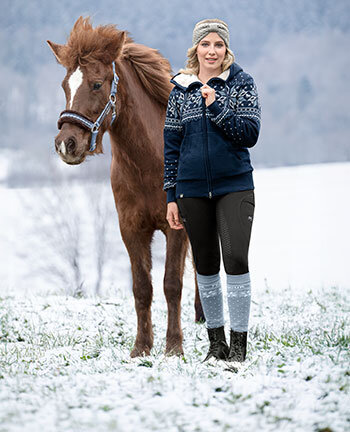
(224, 162)
(240, 152)
(191, 161)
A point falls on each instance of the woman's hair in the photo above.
(192, 66)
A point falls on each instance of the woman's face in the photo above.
(211, 52)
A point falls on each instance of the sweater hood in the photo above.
(185, 81)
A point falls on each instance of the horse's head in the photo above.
(88, 57)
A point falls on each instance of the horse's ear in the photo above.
(57, 50)
(114, 47)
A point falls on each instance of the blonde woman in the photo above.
(213, 117)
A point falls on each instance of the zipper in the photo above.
(206, 145)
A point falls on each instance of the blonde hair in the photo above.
(192, 66)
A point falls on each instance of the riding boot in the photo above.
(218, 345)
(238, 346)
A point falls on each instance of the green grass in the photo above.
(75, 354)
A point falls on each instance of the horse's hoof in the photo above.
(140, 352)
(174, 351)
(200, 318)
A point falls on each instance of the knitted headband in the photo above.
(202, 29)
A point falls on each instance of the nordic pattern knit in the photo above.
(206, 148)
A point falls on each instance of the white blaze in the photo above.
(63, 148)
(74, 82)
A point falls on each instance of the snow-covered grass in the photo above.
(65, 362)
(65, 366)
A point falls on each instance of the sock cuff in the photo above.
(238, 279)
(203, 279)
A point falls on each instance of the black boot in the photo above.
(218, 345)
(238, 346)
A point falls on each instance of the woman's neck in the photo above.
(204, 76)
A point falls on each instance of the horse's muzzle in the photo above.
(66, 147)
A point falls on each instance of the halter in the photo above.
(69, 116)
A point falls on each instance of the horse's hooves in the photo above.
(140, 352)
(174, 351)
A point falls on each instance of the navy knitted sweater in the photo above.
(206, 148)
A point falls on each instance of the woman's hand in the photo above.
(208, 93)
(172, 216)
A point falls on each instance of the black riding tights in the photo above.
(228, 217)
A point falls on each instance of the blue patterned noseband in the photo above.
(69, 116)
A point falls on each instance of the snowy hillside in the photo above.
(300, 234)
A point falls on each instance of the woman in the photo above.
(212, 118)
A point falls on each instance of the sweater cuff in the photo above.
(170, 195)
(214, 107)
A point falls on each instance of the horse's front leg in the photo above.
(138, 244)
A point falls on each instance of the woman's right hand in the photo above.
(172, 216)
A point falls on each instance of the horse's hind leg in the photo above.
(199, 314)
(176, 247)
(138, 244)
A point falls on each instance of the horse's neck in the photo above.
(137, 135)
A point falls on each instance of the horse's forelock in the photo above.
(86, 44)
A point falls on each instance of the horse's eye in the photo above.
(97, 86)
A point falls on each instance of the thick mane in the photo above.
(153, 70)
(88, 45)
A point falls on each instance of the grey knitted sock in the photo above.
(210, 294)
(238, 299)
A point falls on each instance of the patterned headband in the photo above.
(203, 29)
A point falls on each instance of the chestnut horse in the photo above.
(107, 72)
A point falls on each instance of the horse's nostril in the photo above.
(71, 145)
(57, 145)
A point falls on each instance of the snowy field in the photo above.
(66, 330)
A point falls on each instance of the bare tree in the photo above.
(101, 216)
(54, 234)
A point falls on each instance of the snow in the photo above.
(65, 363)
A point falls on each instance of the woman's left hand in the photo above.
(208, 93)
